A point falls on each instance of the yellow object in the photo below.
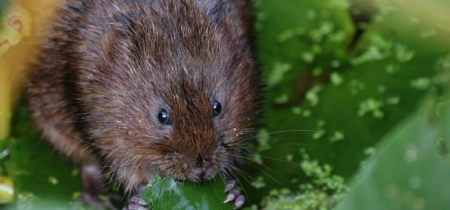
(26, 25)
(16, 25)
(6, 190)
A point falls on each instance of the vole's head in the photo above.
(176, 90)
(199, 126)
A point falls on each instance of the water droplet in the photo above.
(289, 157)
(411, 154)
(419, 204)
(311, 14)
(392, 192)
(415, 182)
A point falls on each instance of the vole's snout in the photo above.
(200, 161)
(200, 168)
(199, 175)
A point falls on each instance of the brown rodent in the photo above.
(146, 87)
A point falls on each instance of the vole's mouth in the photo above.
(181, 168)
(181, 180)
(196, 176)
(178, 180)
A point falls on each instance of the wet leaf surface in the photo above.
(165, 193)
(407, 172)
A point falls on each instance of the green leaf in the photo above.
(165, 193)
(408, 172)
(39, 173)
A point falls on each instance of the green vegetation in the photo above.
(3, 5)
(352, 72)
(167, 194)
(357, 116)
(39, 173)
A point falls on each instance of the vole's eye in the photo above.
(217, 108)
(163, 117)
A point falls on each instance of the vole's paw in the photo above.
(94, 200)
(233, 195)
(93, 189)
(136, 203)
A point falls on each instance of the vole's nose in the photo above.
(200, 161)
(200, 174)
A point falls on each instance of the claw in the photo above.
(240, 200)
(139, 201)
(92, 188)
(94, 200)
(234, 195)
(230, 197)
(235, 192)
(230, 186)
(135, 207)
(136, 203)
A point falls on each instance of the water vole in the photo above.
(145, 87)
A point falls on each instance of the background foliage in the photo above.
(357, 113)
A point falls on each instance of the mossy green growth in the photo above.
(323, 192)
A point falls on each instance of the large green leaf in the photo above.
(407, 172)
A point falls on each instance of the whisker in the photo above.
(267, 174)
(276, 132)
(264, 157)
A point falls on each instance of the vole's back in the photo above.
(50, 91)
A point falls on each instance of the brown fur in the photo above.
(110, 66)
